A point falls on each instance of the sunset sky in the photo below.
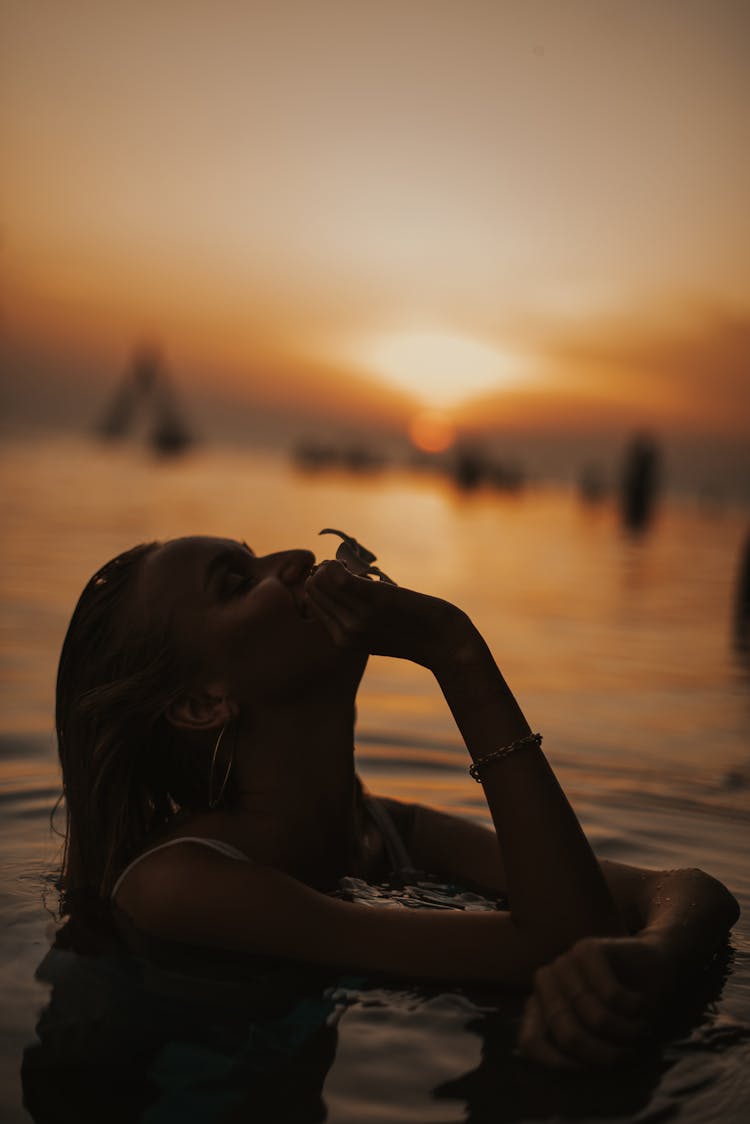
(524, 214)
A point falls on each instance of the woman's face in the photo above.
(243, 620)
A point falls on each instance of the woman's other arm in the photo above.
(190, 894)
(592, 1003)
(686, 911)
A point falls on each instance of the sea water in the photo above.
(618, 647)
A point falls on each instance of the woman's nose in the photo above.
(292, 566)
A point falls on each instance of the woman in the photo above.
(205, 716)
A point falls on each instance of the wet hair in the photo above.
(125, 770)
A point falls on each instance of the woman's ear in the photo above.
(204, 709)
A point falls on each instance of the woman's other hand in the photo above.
(591, 1006)
(387, 620)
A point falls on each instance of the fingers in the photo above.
(337, 602)
(566, 1027)
(592, 962)
(534, 1042)
(327, 612)
(605, 1023)
(577, 1020)
(338, 580)
(383, 618)
(582, 1009)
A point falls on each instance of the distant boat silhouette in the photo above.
(145, 385)
(119, 417)
(311, 456)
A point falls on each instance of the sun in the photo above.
(432, 431)
(441, 369)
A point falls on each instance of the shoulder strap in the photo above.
(398, 856)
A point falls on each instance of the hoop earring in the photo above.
(213, 801)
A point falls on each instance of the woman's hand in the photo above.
(387, 620)
(590, 1006)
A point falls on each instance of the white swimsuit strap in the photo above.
(215, 845)
(398, 856)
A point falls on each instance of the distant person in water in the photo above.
(205, 717)
(640, 482)
(742, 600)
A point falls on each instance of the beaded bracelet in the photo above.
(504, 751)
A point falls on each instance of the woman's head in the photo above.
(240, 620)
(168, 642)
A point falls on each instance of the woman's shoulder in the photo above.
(170, 853)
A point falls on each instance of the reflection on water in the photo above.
(190, 1035)
(620, 650)
(120, 1036)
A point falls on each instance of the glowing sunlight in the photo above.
(440, 368)
(432, 431)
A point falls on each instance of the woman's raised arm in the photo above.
(555, 888)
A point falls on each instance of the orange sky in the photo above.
(274, 187)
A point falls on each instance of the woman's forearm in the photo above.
(556, 890)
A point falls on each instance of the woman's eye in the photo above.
(234, 584)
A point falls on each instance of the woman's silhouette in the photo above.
(205, 717)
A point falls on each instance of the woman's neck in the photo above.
(295, 787)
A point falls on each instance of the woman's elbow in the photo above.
(715, 898)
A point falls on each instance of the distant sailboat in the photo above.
(145, 385)
(169, 435)
(119, 416)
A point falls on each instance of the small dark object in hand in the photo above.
(357, 558)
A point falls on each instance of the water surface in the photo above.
(617, 647)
